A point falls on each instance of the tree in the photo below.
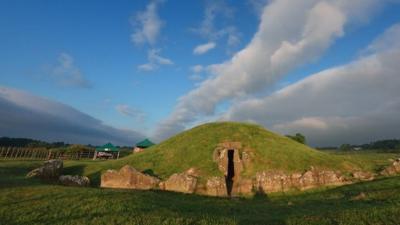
(298, 137)
(345, 147)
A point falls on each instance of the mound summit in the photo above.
(228, 158)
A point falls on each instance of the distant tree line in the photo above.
(386, 145)
(383, 144)
(32, 143)
(29, 143)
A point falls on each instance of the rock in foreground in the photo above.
(78, 181)
(129, 178)
(392, 169)
(50, 170)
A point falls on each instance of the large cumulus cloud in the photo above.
(290, 34)
(353, 103)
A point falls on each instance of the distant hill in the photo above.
(26, 142)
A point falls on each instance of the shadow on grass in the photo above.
(73, 170)
(12, 173)
(95, 179)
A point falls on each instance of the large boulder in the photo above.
(129, 178)
(50, 170)
(216, 186)
(181, 182)
(363, 175)
(392, 169)
(78, 181)
(329, 177)
(270, 181)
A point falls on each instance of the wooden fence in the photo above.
(42, 154)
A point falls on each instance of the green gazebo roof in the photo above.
(145, 144)
(107, 148)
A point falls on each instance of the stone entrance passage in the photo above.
(231, 172)
(232, 159)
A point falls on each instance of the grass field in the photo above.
(30, 201)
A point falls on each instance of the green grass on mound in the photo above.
(30, 201)
(195, 147)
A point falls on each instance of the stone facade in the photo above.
(242, 159)
(267, 182)
(216, 186)
(262, 182)
(221, 157)
(129, 178)
(363, 176)
(181, 182)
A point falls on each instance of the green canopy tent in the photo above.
(145, 144)
(140, 146)
(107, 148)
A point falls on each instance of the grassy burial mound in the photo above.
(196, 147)
(231, 158)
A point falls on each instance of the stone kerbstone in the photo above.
(78, 181)
(129, 178)
(362, 175)
(181, 182)
(392, 169)
(243, 187)
(216, 186)
(268, 182)
(50, 170)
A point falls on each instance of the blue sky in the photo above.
(129, 64)
(97, 36)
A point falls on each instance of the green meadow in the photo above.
(32, 201)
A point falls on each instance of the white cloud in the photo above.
(355, 103)
(129, 111)
(258, 5)
(197, 68)
(197, 72)
(25, 115)
(388, 40)
(147, 67)
(290, 33)
(203, 48)
(195, 77)
(66, 73)
(148, 24)
(213, 11)
(210, 29)
(155, 60)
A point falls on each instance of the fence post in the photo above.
(8, 149)
(33, 155)
(18, 153)
(49, 155)
(12, 155)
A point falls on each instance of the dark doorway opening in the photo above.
(231, 172)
